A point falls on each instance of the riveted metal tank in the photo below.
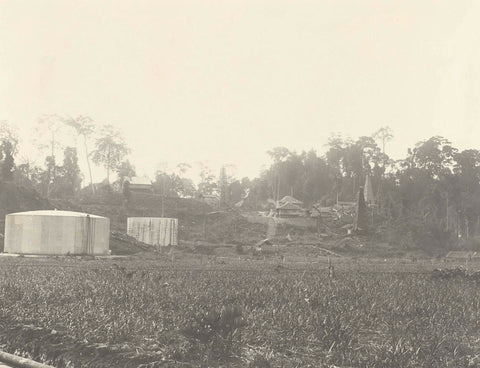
(157, 231)
(56, 233)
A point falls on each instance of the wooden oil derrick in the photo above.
(361, 216)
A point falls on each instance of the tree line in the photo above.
(430, 197)
(59, 174)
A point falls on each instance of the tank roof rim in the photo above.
(55, 213)
(149, 217)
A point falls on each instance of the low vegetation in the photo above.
(257, 316)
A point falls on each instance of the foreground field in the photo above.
(130, 313)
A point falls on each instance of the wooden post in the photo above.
(331, 272)
(467, 230)
(447, 213)
(205, 227)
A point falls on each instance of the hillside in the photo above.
(198, 222)
(14, 198)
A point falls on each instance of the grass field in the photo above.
(133, 312)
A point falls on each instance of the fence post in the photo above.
(331, 271)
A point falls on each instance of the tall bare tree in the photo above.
(84, 126)
(110, 149)
(384, 134)
(48, 129)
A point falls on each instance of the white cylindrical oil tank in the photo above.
(56, 233)
(157, 231)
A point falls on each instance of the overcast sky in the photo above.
(225, 81)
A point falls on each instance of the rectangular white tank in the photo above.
(56, 233)
(157, 231)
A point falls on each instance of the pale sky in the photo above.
(225, 81)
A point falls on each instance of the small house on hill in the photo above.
(289, 210)
(291, 200)
(140, 184)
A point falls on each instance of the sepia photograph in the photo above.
(239, 184)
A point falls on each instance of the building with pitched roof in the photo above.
(291, 200)
(139, 184)
(289, 210)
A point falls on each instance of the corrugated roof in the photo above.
(153, 218)
(290, 199)
(289, 206)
